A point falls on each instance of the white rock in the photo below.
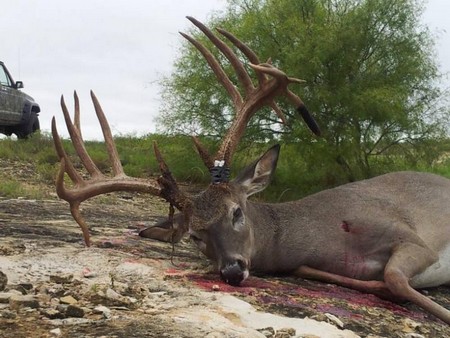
(56, 332)
(413, 335)
(335, 320)
(111, 294)
(103, 310)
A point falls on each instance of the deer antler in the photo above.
(165, 186)
(272, 83)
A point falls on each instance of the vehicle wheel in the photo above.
(25, 130)
(35, 126)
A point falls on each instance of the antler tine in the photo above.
(217, 69)
(169, 187)
(237, 65)
(269, 69)
(76, 114)
(78, 143)
(204, 154)
(110, 145)
(304, 113)
(74, 204)
(296, 101)
(98, 184)
(78, 217)
(251, 56)
(279, 113)
(69, 168)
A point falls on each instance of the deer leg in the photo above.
(407, 261)
(164, 232)
(377, 288)
(158, 233)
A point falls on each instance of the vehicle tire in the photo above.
(25, 130)
(35, 126)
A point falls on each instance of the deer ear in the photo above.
(257, 176)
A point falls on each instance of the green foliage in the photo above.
(371, 83)
(46, 172)
(297, 174)
(37, 157)
(138, 157)
(11, 189)
(21, 149)
(443, 169)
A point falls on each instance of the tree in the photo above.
(371, 81)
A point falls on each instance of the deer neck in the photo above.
(272, 231)
(266, 228)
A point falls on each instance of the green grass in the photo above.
(296, 175)
(15, 189)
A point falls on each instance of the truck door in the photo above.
(10, 101)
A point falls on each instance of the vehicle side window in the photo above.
(4, 78)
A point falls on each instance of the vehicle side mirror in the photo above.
(19, 84)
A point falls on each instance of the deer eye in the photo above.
(238, 218)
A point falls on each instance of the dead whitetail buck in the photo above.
(386, 236)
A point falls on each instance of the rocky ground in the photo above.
(125, 286)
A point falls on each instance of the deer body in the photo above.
(387, 235)
(351, 230)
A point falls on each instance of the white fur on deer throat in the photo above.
(246, 274)
(436, 274)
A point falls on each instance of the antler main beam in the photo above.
(165, 186)
(272, 83)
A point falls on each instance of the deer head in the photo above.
(220, 222)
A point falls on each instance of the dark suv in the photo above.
(18, 111)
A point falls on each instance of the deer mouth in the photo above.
(234, 273)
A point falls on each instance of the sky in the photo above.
(120, 49)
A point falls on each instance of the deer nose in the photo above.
(234, 273)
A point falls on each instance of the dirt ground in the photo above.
(126, 286)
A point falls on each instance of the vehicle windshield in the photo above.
(5, 80)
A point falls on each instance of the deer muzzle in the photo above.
(234, 273)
